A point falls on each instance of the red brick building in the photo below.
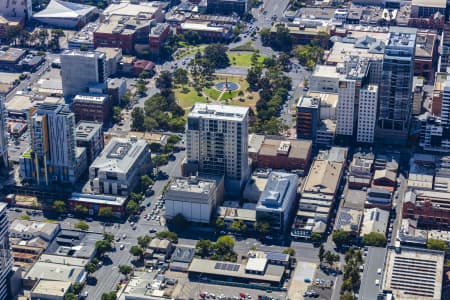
(158, 36)
(89, 107)
(429, 208)
(279, 153)
(94, 202)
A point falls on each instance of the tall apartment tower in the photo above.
(53, 153)
(367, 113)
(395, 100)
(83, 70)
(6, 260)
(217, 143)
(354, 74)
(445, 110)
(444, 49)
(3, 138)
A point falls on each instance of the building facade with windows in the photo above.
(395, 100)
(217, 143)
(82, 69)
(6, 260)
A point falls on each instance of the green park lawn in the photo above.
(187, 100)
(243, 59)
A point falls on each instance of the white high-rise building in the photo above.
(217, 143)
(82, 70)
(3, 137)
(367, 113)
(6, 260)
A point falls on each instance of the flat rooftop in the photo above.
(11, 55)
(51, 288)
(273, 273)
(202, 26)
(126, 8)
(278, 191)
(84, 131)
(98, 199)
(56, 272)
(192, 185)
(323, 177)
(92, 98)
(414, 273)
(373, 270)
(119, 155)
(219, 112)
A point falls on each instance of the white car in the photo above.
(124, 236)
(122, 246)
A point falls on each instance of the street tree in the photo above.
(238, 226)
(172, 236)
(90, 268)
(146, 181)
(321, 253)
(102, 247)
(136, 251)
(80, 209)
(316, 237)
(263, 227)
(82, 226)
(143, 241)
(108, 237)
(70, 296)
(160, 160)
(132, 207)
(219, 224)
(77, 287)
(374, 239)
(117, 114)
(136, 197)
(289, 251)
(59, 206)
(164, 82)
(265, 36)
(180, 221)
(125, 270)
(282, 40)
(105, 212)
(109, 296)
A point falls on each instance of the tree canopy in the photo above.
(435, 244)
(374, 239)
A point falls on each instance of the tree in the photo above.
(204, 247)
(105, 212)
(374, 239)
(108, 237)
(191, 37)
(141, 87)
(272, 126)
(330, 257)
(289, 251)
(347, 296)
(263, 227)
(136, 251)
(164, 82)
(146, 181)
(238, 226)
(77, 287)
(59, 206)
(132, 207)
(82, 226)
(155, 147)
(265, 36)
(143, 241)
(225, 242)
(316, 237)
(144, 74)
(70, 296)
(160, 160)
(282, 40)
(217, 55)
(138, 118)
(90, 268)
(109, 296)
(219, 224)
(125, 270)
(180, 76)
(341, 237)
(136, 197)
(102, 247)
(435, 244)
(321, 253)
(284, 60)
(172, 236)
(173, 139)
(117, 114)
(81, 209)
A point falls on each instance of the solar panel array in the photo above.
(227, 267)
